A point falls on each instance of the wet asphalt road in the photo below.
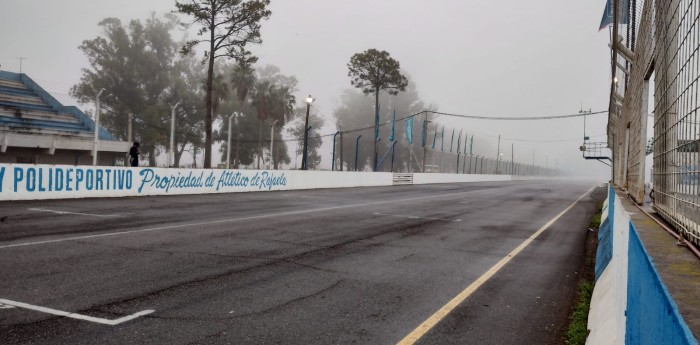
(334, 266)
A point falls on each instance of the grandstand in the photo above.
(36, 129)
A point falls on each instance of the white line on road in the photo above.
(304, 196)
(433, 320)
(230, 220)
(74, 315)
(5, 306)
(76, 213)
(416, 217)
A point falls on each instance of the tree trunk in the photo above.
(376, 127)
(208, 103)
(180, 152)
(151, 156)
(277, 152)
(260, 144)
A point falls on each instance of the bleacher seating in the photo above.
(26, 107)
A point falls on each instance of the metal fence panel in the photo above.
(667, 43)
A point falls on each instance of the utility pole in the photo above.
(512, 158)
(129, 127)
(498, 156)
(425, 141)
(236, 159)
(341, 151)
(309, 100)
(228, 147)
(20, 63)
(172, 135)
(584, 112)
(97, 124)
(305, 163)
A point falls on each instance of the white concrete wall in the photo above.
(606, 319)
(620, 258)
(30, 182)
(45, 181)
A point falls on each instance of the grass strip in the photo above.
(578, 328)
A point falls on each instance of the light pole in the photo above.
(228, 147)
(97, 126)
(129, 130)
(172, 135)
(308, 100)
(272, 142)
(512, 158)
(305, 163)
(357, 148)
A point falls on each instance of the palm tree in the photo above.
(243, 80)
(219, 92)
(282, 108)
(261, 101)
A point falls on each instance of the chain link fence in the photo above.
(658, 60)
(432, 149)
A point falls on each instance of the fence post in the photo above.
(333, 160)
(357, 147)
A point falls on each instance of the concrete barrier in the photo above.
(630, 304)
(43, 181)
(31, 182)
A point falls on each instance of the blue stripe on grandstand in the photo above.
(16, 91)
(9, 76)
(23, 106)
(43, 124)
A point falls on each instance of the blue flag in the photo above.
(434, 138)
(459, 141)
(465, 142)
(422, 133)
(409, 130)
(393, 125)
(608, 15)
(442, 140)
(452, 141)
(471, 145)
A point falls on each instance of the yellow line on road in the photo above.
(433, 320)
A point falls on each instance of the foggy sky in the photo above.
(488, 58)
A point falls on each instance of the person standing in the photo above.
(134, 153)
